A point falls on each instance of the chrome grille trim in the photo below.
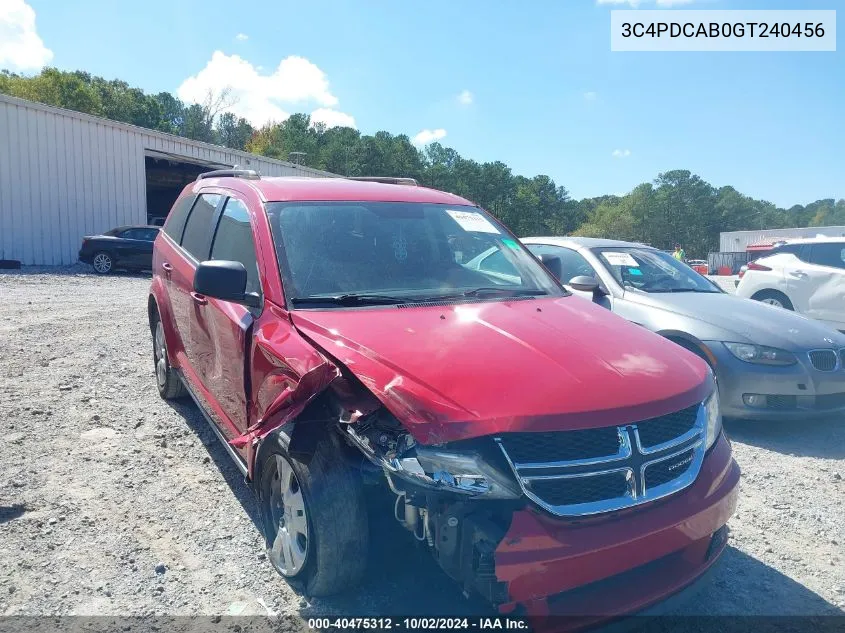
(631, 459)
(816, 355)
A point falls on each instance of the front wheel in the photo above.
(774, 298)
(313, 517)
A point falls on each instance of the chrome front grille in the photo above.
(824, 359)
(576, 473)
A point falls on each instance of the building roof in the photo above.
(284, 189)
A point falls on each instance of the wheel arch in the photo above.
(690, 343)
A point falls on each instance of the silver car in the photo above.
(769, 363)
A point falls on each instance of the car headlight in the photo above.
(463, 473)
(713, 421)
(760, 354)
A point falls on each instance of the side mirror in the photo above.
(224, 280)
(585, 283)
(553, 263)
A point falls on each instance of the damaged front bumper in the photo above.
(574, 574)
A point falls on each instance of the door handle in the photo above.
(199, 299)
(798, 273)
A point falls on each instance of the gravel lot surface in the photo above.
(114, 502)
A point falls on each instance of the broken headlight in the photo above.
(463, 473)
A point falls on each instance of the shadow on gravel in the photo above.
(234, 479)
(746, 586)
(823, 438)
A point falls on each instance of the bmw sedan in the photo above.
(769, 363)
(126, 247)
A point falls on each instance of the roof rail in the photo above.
(249, 174)
(390, 180)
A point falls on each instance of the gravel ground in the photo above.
(113, 502)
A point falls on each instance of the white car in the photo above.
(807, 276)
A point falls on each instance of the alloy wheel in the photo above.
(160, 355)
(773, 302)
(102, 263)
(287, 508)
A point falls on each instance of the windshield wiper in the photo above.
(497, 290)
(681, 290)
(349, 299)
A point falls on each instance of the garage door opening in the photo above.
(166, 177)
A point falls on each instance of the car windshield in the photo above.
(650, 270)
(385, 252)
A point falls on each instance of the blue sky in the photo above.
(546, 95)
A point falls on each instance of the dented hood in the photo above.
(468, 370)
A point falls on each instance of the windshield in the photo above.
(387, 252)
(651, 270)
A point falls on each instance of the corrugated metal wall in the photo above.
(738, 241)
(64, 175)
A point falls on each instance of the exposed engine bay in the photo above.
(456, 501)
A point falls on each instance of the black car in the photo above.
(126, 247)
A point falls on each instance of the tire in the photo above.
(169, 384)
(102, 262)
(323, 501)
(774, 298)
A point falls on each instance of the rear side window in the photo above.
(233, 241)
(197, 237)
(572, 263)
(830, 254)
(175, 222)
(496, 263)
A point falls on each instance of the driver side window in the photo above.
(572, 263)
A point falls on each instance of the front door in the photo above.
(221, 329)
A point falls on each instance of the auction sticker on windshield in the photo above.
(620, 259)
(472, 221)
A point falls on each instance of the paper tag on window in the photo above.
(620, 259)
(472, 221)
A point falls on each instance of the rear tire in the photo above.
(313, 516)
(169, 384)
(773, 298)
(103, 263)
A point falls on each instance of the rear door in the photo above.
(799, 274)
(220, 336)
(135, 249)
(823, 283)
(194, 248)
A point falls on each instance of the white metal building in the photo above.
(64, 175)
(738, 241)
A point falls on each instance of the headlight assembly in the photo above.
(713, 418)
(760, 354)
(463, 473)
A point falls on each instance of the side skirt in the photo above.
(239, 461)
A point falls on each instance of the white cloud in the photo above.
(465, 98)
(260, 97)
(621, 153)
(20, 47)
(590, 96)
(332, 118)
(242, 37)
(672, 3)
(424, 137)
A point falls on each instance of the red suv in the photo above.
(554, 457)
